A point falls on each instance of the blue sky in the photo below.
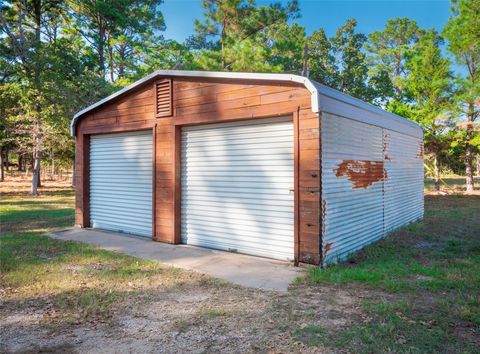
(371, 15)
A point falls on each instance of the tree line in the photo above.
(57, 57)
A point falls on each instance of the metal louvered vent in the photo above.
(163, 98)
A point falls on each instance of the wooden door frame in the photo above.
(85, 195)
(154, 181)
(296, 197)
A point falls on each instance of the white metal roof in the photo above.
(316, 89)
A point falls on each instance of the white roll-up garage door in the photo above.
(121, 182)
(237, 181)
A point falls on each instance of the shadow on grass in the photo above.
(44, 192)
(19, 216)
(78, 279)
(36, 220)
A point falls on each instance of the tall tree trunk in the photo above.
(305, 60)
(436, 172)
(52, 171)
(39, 174)
(2, 172)
(19, 168)
(36, 174)
(469, 168)
(37, 5)
(121, 64)
(110, 59)
(36, 156)
(224, 22)
(478, 165)
(101, 48)
(469, 150)
(7, 162)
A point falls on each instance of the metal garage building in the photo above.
(272, 165)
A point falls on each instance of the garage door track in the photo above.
(240, 269)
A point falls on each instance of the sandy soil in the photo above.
(197, 318)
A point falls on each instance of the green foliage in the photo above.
(119, 32)
(238, 35)
(46, 79)
(164, 55)
(428, 91)
(389, 50)
(347, 49)
(340, 62)
(321, 61)
(429, 85)
(463, 34)
(287, 45)
(249, 56)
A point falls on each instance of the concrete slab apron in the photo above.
(240, 269)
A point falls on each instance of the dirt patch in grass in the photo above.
(201, 316)
(19, 186)
(451, 185)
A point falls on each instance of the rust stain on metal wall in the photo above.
(328, 246)
(361, 173)
(420, 150)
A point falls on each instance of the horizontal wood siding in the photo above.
(164, 159)
(204, 101)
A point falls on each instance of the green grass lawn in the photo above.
(429, 273)
(415, 291)
(79, 280)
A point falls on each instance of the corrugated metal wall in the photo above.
(404, 185)
(371, 183)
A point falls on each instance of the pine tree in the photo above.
(231, 36)
(463, 34)
(429, 87)
(388, 52)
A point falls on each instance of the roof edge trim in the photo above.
(356, 102)
(309, 85)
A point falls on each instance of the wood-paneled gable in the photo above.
(203, 101)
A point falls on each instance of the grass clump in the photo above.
(312, 336)
(209, 312)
